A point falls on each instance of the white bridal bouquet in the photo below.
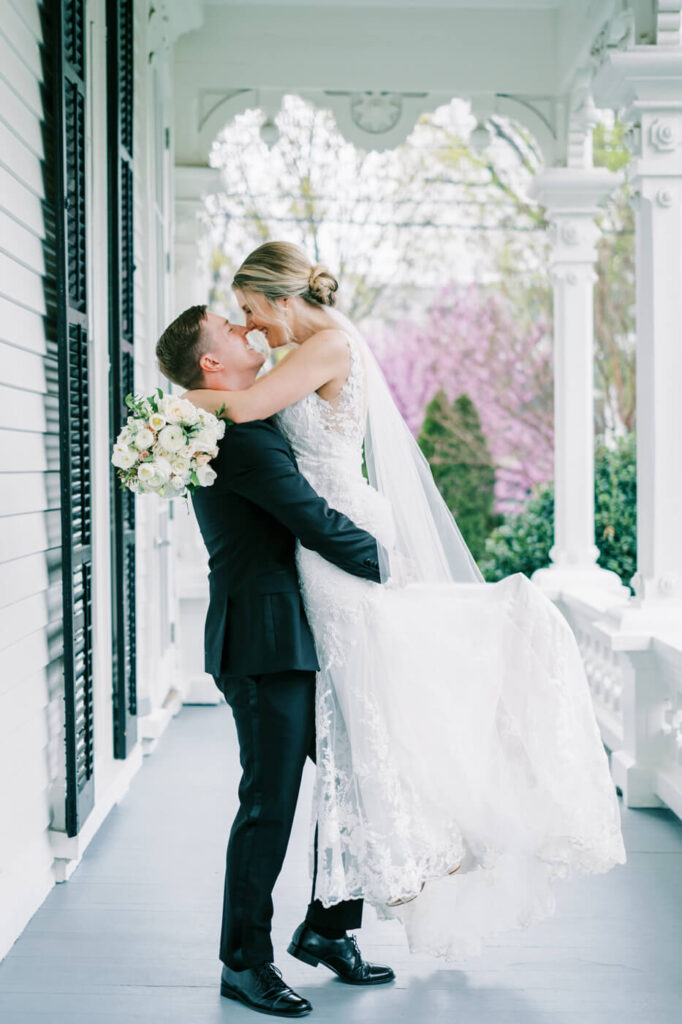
(166, 445)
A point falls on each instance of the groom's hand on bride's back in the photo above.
(260, 466)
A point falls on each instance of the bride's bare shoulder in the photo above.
(329, 345)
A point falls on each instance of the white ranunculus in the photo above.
(172, 438)
(178, 410)
(146, 473)
(156, 421)
(123, 458)
(144, 439)
(205, 475)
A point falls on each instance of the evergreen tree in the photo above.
(522, 542)
(452, 440)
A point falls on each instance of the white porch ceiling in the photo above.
(250, 52)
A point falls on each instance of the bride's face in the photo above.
(261, 316)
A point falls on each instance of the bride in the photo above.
(460, 769)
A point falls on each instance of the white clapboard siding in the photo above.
(22, 328)
(25, 702)
(15, 194)
(22, 577)
(31, 689)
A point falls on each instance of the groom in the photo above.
(260, 651)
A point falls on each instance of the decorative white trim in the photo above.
(68, 850)
(168, 20)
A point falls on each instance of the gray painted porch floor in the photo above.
(133, 935)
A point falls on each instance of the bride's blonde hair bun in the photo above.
(280, 269)
(322, 286)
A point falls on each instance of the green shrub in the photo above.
(522, 542)
(452, 440)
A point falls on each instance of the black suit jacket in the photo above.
(249, 520)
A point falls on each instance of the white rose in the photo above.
(204, 441)
(156, 421)
(144, 439)
(177, 410)
(172, 438)
(162, 469)
(123, 458)
(205, 475)
(202, 458)
(179, 464)
(177, 483)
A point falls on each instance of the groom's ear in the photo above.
(209, 364)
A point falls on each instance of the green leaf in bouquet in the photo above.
(220, 413)
(194, 478)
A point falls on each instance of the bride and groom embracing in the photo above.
(460, 771)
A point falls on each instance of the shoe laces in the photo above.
(268, 973)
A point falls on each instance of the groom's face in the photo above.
(227, 352)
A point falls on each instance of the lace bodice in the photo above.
(327, 439)
(330, 430)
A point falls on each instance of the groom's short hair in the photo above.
(180, 347)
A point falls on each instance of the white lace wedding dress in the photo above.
(454, 726)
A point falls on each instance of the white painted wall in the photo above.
(34, 854)
(30, 606)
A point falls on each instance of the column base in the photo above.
(556, 578)
(634, 781)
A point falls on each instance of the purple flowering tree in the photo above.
(477, 342)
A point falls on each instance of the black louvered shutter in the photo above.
(67, 33)
(121, 342)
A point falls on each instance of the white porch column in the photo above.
(649, 82)
(191, 565)
(646, 84)
(572, 197)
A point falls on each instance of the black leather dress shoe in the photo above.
(341, 956)
(263, 989)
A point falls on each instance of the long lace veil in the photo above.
(429, 546)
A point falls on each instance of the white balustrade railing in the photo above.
(636, 684)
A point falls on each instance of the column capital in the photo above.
(643, 77)
(572, 198)
(571, 190)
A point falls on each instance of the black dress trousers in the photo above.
(275, 719)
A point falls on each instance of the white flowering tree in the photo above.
(394, 226)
